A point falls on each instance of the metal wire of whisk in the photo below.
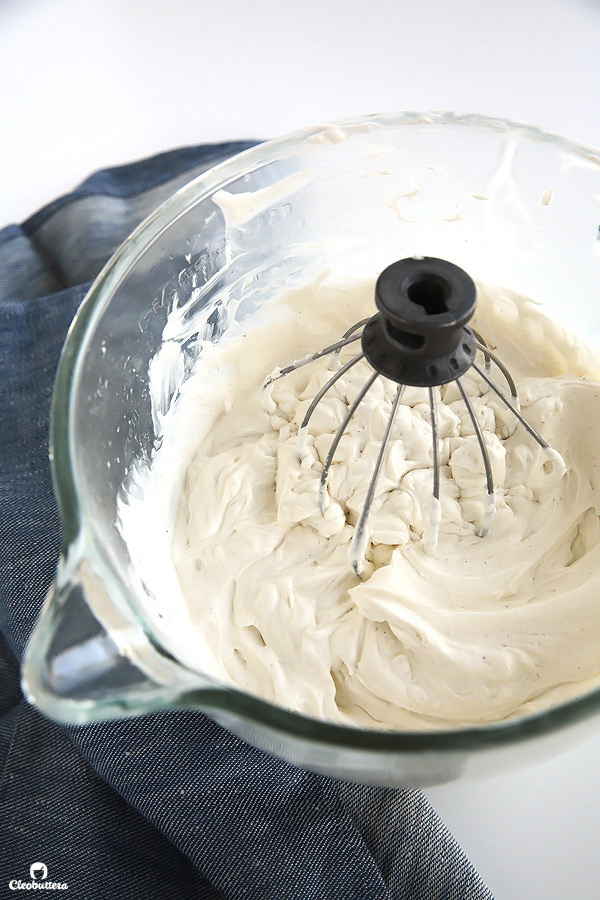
(419, 338)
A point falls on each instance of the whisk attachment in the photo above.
(419, 337)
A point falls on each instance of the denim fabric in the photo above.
(169, 804)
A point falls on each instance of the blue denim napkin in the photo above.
(168, 804)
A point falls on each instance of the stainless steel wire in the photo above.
(484, 348)
(280, 373)
(489, 479)
(359, 540)
(302, 431)
(515, 410)
(498, 362)
(346, 334)
(435, 449)
(323, 501)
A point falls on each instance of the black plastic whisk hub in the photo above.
(419, 337)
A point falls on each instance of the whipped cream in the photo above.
(256, 585)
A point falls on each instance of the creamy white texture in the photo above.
(483, 629)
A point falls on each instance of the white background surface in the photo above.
(85, 85)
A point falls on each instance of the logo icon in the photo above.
(38, 873)
(38, 870)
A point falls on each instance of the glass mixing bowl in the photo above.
(508, 203)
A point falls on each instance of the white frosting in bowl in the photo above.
(263, 594)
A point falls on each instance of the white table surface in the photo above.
(85, 85)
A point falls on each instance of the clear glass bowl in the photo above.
(510, 204)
